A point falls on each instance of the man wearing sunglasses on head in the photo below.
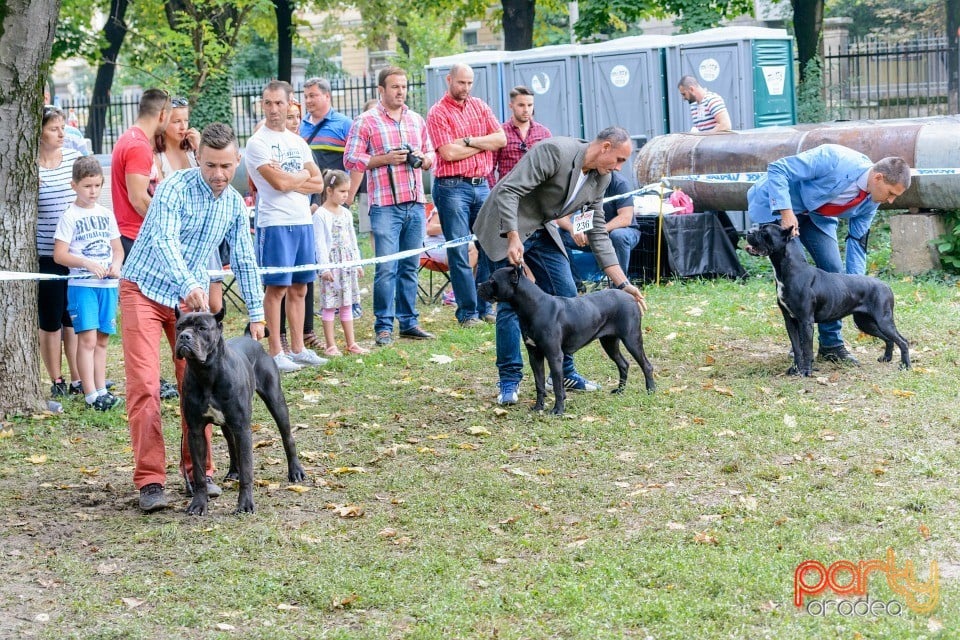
(522, 132)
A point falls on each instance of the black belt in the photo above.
(476, 182)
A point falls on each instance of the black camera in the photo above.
(414, 161)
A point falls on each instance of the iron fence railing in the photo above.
(874, 79)
(349, 96)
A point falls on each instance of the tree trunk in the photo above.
(114, 31)
(807, 25)
(518, 18)
(953, 55)
(26, 36)
(284, 11)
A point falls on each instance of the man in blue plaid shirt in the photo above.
(191, 213)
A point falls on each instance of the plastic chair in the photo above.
(437, 274)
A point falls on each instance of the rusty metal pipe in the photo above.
(923, 142)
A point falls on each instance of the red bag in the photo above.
(681, 201)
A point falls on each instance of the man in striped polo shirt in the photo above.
(707, 109)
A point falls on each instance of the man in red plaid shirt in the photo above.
(386, 142)
(466, 134)
(522, 133)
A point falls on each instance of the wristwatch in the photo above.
(623, 285)
(466, 141)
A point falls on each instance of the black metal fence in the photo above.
(873, 79)
(349, 96)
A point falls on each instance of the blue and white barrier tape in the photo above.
(17, 275)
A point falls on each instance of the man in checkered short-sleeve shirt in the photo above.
(382, 141)
(466, 134)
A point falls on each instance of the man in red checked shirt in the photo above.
(522, 133)
(466, 134)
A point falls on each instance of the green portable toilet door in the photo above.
(773, 88)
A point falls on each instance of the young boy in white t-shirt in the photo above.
(87, 241)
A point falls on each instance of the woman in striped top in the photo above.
(56, 169)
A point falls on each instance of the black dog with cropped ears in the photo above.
(807, 295)
(553, 326)
(218, 386)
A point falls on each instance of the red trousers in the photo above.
(143, 321)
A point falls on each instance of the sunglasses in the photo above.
(49, 108)
(179, 102)
(523, 147)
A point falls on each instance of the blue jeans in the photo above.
(551, 268)
(458, 203)
(396, 228)
(826, 255)
(623, 239)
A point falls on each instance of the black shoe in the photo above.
(152, 498)
(213, 491)
(168, 390)
(416, 333)
(105, 402)
(837, 354)
(58, 388)
(76, 388)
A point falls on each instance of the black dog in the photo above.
(553, 326)
(218, 387)
(807, 294)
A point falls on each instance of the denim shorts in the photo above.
(93, 308)
(286, 246)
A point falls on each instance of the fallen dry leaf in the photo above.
(924, 531)
(703, 537)
(469, 446)
(497, 412)
(902, 393)
(389, 532)
(223, 626)
(264, 443)
(349, 510)
(478, 431)
(37, 459)
(6, 433)
(283, 606)
(132, 603)
(440, 359)
(438, 436)
(339, 471)
(298, 488)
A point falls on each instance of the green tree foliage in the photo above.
(187, 48)
(811, 106)
(615, 17)
(889, 17)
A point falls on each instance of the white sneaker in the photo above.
(308, 357)
(285, 364)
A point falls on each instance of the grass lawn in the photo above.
(430, 512)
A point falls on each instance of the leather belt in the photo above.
(476, 182)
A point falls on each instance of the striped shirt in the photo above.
(374, 133)
(327, 138)
(183, 227)
(705, 112)
(507, 157)
(56, 195)
(449, 120)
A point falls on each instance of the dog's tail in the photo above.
(246, 331)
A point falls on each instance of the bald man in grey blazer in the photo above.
(557, 177)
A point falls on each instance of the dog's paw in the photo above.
(232, 476)
(618, 391)
(885, 358)
(557, 410)
(296, 473)
(245, 503)
(537, 406)
(197, 507)
(904, 366)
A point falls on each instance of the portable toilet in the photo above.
(751, 68)
(553, 74)
(487, 70)
(624, 84)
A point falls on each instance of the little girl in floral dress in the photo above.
(337, 243)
